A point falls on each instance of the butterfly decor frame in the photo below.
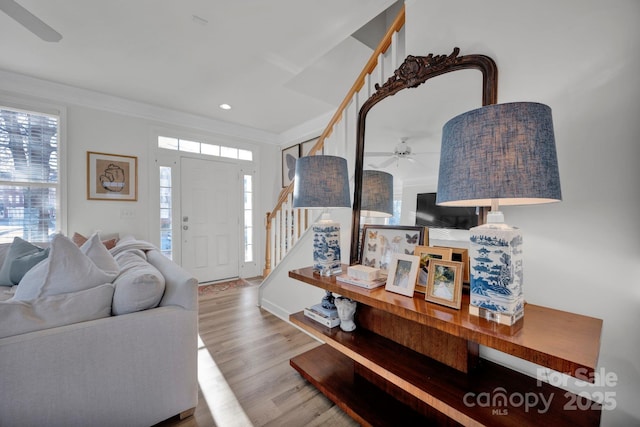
(293, 153)
(380, 242)
(289, 157)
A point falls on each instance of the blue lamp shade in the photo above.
(504, 153)
(377, 194)
(321, 182)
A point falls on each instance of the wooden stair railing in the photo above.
(285, 225)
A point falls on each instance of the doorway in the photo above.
(210, 218)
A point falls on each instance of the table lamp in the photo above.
(502, 154)
(323, 182)
(377, 194)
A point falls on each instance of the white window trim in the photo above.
(38, 106)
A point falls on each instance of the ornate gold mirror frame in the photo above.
(414, 71)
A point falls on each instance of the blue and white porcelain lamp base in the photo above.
(326, 247)
(495, 253)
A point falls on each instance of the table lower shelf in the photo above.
(334, 374)
(491, 395)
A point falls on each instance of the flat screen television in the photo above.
(428, 214)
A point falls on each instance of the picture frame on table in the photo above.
(112, 177)
(461, 255)
(403, 270)
(444, 285)
(426, 254)
(380, 242)
(289, 157)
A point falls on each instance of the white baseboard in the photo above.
(282, 314)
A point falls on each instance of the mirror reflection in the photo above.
(404, 131)
(401, 133)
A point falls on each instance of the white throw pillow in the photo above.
(139, 286)
(20, 317)
(100, 255)
(67, 269)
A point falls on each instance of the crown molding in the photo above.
(19, 84)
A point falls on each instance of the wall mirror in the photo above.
(414, 118)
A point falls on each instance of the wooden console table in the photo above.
(411, 362)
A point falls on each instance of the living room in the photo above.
(580, 58)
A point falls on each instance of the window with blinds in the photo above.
(28, 175)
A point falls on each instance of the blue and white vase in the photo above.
(495, 255)
(326, 248)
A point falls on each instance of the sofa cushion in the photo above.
(139, 286)
(20, 258)
(20, 317)
(6, 292)
(67, 269)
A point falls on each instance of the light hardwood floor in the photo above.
(243, 367)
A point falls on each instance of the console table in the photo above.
(412, 362)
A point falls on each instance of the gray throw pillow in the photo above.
(18, 248)
(21, 265)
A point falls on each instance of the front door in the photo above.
(210, 207)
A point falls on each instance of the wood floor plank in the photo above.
(251, 350)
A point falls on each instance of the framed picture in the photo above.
(306, 146)
(461, 255)
(289, 157)
(402, 274)
(112, 177)
(426, 254)
(445, 283)
(380, 242)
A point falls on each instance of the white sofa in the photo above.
(134, 369)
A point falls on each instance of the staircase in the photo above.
(285, 226)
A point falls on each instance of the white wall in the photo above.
(95, 122)
(282, 295)
(581, 58)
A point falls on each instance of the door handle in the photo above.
(185, 227)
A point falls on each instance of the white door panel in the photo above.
(210, 204)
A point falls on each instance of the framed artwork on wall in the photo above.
(112, 177)
(380, 242)
(306, 146)
(289, 157)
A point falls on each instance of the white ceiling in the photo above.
(279, 63)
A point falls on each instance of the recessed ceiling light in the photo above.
(225, 106)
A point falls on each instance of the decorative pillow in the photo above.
(20, 317)
(21, 265)
(67, 269)
(100, 255)
(80, 240)
(138, 287)
(17, 249)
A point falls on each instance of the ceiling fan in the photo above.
(29, 21)
(402, 151)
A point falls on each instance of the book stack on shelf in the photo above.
(324, 316)
(363, 276)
